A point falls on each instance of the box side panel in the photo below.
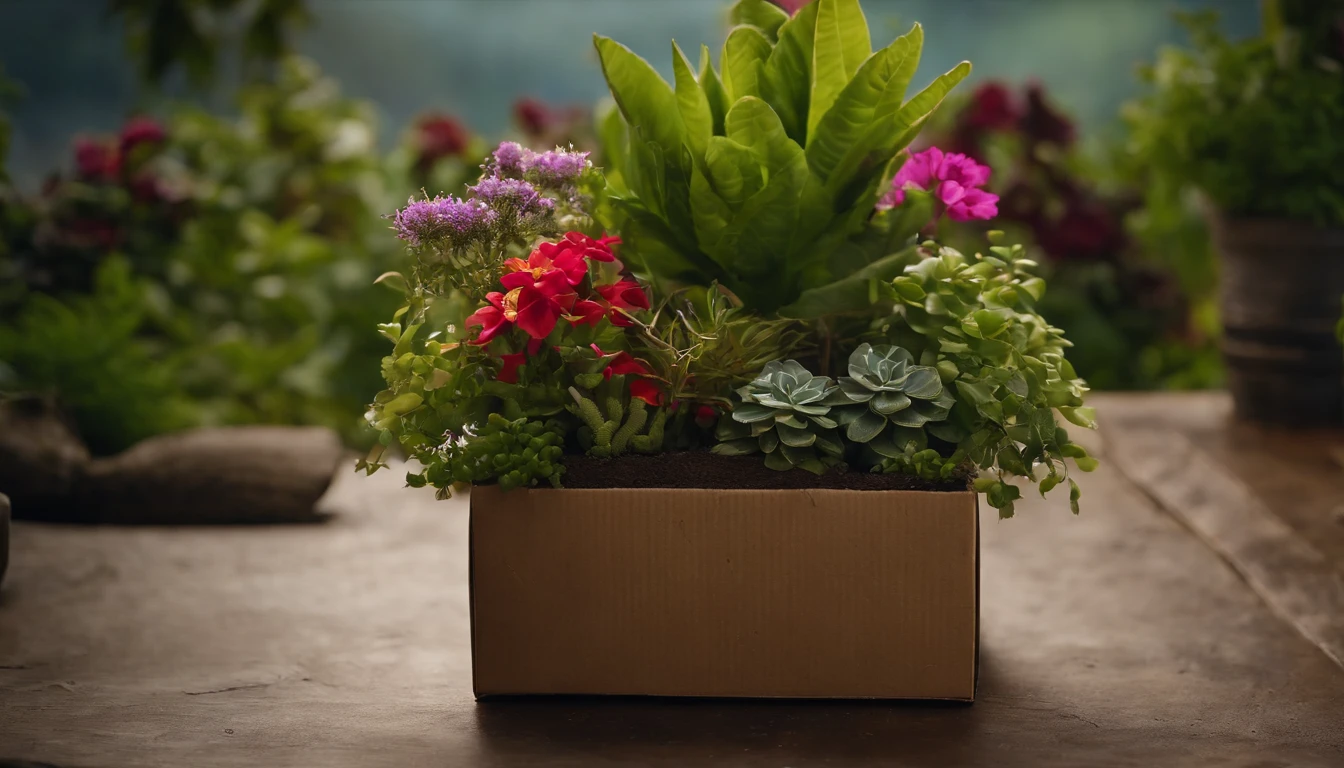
(791, 593)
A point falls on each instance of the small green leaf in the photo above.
(1075, 493)
(840, 45)
(761, 14)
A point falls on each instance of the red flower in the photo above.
(495, 317)
(141, 130)
(550, 282)
(533, 117)
(525, 306)
(622, 364)
(509, 373)
(581, 245)
(585, 312)
(437, 137)
(625, 294)
(706, 415)
(571, 265)
(96, 160)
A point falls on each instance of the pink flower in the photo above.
(953, 177)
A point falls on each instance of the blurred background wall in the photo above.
(474, 58)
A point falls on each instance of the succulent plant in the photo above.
(783, 413)
(890, 399)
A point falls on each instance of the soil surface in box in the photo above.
(702, 469)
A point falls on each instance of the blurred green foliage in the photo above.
(195, 35)
(1254, 124)
(227, 263)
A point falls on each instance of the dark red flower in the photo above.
(526, 307)
(439, 136)
(706, 416)
(533, 117)
(96, 160)
(141, 130)
(512, 362)
(992, 108)
(495, 317)
(1086, 230)
(1041, 123)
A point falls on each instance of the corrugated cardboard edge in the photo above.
(489, 697)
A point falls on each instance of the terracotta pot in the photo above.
(1280, 289)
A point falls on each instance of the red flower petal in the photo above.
(643, 389)
(537, 312)
(509, 373)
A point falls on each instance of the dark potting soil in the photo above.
(702, 469)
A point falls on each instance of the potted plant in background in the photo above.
(1254, 125)
(733, 451)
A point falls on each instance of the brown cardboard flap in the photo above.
(786, 593)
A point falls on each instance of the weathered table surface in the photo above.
(1173, 623)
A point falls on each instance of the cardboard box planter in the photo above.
(741, 593)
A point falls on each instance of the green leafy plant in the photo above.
(974, 320)
(894, 398)
(1253, 124)
(752, 175)
(783, 413)
(91, 351)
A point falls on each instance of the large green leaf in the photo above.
(763, 15)
(646, 100)
(744, 55)
(786, 82)
(714, 91)
(763, 232)
(850, 294)
(711, 215)
(692, 103)
(886, 136)
(734, 170)
(854, 110)
(893, 96)
(753, 124)
(841, 44)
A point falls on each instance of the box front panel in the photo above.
(795, 593)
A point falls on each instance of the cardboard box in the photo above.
(741, 593)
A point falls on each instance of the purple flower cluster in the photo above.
(558, 169)
(519, 195)
(511, 159)
(443, 218)
(954, 178)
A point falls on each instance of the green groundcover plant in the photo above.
(768, 227)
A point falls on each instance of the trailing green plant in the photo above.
(784, 413)
(516, 453)
(974, 319)
(754, 174)
(1253, 124)
(893, 399)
